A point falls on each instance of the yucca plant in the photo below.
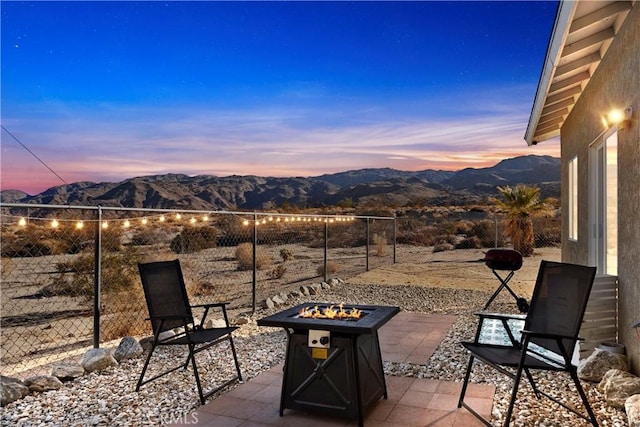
(520, 203)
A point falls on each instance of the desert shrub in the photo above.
(75, 278)
(380, 243)
(232, 231)
(277, 272)
(244, 256)
(486, 231)
(332, 268)
(286, 254)
(469, 243)
(194, 239)
(441, 247)
(547, 232)
(147, 236)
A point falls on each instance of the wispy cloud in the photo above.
(112, 143)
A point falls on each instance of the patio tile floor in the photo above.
(408, 337)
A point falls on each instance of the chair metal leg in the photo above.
(144, 368)
(235, 357)
(583, 396)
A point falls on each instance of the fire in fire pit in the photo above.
(331, 312)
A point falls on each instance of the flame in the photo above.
(330, 312)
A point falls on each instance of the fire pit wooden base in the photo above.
(343, 379)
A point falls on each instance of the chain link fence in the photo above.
(69, 277)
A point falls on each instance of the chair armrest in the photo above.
(215, 304)
(176, 317)
(535, 334)
(499, 316)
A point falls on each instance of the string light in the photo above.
(126, 223)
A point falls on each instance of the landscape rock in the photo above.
(296, 294)
(632, 408)
(11, 389)
(315, 289)
(618, 386)
(305, 290)
(599, 362)
(215, 323)
(277, 300)
(42, 383)
(325, 285)
(242, 320)
(128, 348)
(97, 359)
(67, 371)
(268, 303)
(333, 282)
(146, 343)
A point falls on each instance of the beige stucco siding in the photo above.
(616, 83)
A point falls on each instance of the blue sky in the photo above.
(104, 91)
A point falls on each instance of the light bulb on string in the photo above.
(178, 216)
(144, 221)
(193, 220)
(126, 223)
(22, 222)
(245, 222)
(105, 225)
(205, 218)
(162, 218)
(55, 223)
(79, 225)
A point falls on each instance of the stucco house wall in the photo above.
(616, 83)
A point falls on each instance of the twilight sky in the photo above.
(104, 91)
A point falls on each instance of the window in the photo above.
(573, 199)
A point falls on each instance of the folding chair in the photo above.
(169, 310)
(505, 260)
(548, 338)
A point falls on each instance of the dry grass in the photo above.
(244, 257)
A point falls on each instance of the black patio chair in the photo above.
(170, 311)
(547, 340)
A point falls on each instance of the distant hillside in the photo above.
(357, 187)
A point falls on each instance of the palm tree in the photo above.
(520, 203)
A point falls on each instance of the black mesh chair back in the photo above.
(166, 294)
(558, 304)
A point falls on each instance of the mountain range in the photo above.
(363, 187)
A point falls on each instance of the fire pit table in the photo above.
(333, 364)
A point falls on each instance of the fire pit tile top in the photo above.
(372, 317)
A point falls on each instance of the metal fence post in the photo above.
(326, 248)
(367, 266)
(395, 233)
(97, 278)
(254, 279)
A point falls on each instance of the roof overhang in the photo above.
(581, 35)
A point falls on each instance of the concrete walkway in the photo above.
(408, 337)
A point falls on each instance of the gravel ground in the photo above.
(109, 398)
